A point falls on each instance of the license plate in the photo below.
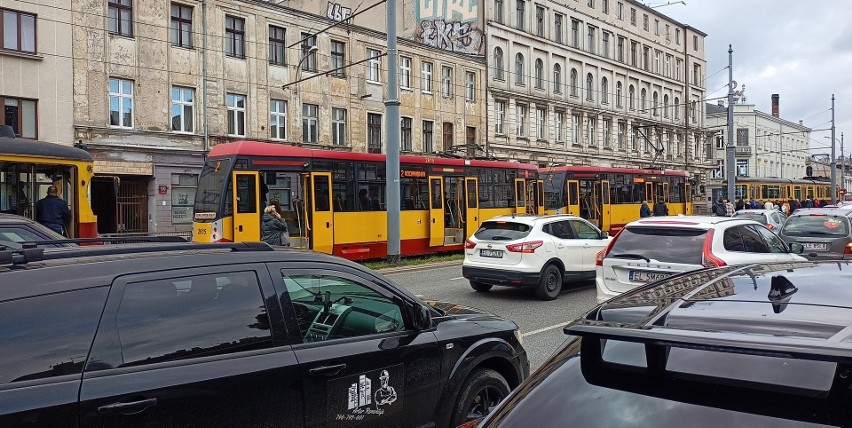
(642, 276)
(496, 254)
(815, 246)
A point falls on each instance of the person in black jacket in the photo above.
(53, 212)
(644, 210)
(660, 208)
(273, 229)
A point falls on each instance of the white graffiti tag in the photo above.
(459, 37)
(337, 12)
(448, 10)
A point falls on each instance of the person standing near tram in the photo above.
(53, 212)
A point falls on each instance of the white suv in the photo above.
(653, 248)
(532, 251)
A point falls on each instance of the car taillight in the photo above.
(770, 226)
(471, 424)
(468, 244)
(707, 258)
(525, 247)
(603, 253)
(848, 249)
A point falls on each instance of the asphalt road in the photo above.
(540, 321)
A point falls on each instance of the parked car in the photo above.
(772, 219)
(825, 233)
(651, 249)
(710, 348)
(240, 334)
(532, 251)
(15, 228)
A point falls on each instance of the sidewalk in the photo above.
(415, 268)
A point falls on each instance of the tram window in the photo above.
(246, 194)
(496, 189)
(321, 193)
(415, 194)
(471, 194)
(519, 192)
(437, 203)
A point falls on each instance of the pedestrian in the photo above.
(660, 208)
(53, 212)
(644, 210)
(740, 204)
(273, 228)
(759, 204)
(729, 209)
(769, 205)
(816, 203)
(752, 203)
(719, 208)
(786, 208)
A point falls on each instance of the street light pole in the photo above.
(393, 125)
(833, 160)
(842, 165)
(730, 147)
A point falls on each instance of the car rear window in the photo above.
(816, 225)
(671, 245)
(760, 218)
(502, 231)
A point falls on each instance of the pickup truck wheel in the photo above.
(481, 392)
(549, 283)
(478, 286)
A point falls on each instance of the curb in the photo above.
(415, 268)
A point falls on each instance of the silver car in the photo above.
(772, 219)
(825, 233)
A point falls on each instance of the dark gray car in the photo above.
(825, 233)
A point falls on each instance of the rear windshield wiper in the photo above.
(500, 238)
(630, 256)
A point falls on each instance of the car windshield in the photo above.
(502, 231)
(816, 225)
(760, 218)
(672, 245)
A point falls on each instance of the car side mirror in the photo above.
(604, 234)
(422, 318)
(797, 248)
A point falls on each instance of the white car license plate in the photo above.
(495, 254)
(642, 276)
(815, 246)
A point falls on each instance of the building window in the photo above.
(634, 139)
(183, 102)
(338, 126)
(277, 49)
(500, 117)
(557, 79)
(540, 120)
(428, 136)
(426, 77)
(557, 27)
(575, 129)
(446, 81)
(498, 11)
(498, 64)
(521, 126)
(539, 21)
(592, 42)
(666, 106)
(120, 19)
(519, 15)
(374, 133)
(606, 7)
(235, 36)
(405, 72)
(373, 66)
(656, 27)
(236, 114)
(618, 94)
(656, 104)
(405, 136)
(309, 53)
(278, 119)
(645, 23)
(668, 68)
(607, 132)
(121, 103)
(676, 108)
(470, 138)
(695, 42)
(590, 130)
(619, 54)
(622, 128)
(619, 11)
(539, 74)
(338, 58)
(519, 69)
(678, 66)
(604, 90)
(310, 123)
(657, 62)
(742, 167)
(181, 27)
(590, 87)
(575, 34)
(694, 109)
(642, 101)
(631, 94)
(20, 114)
(559, 126)
(183, 197)
(696, 75)
(592, 4)
(574, 83)
(448, 136)
(605, 44)
(470, 86)
(646, 58)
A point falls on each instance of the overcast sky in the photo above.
(801, 50)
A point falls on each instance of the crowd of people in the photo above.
(726, 208)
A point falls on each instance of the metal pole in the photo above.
(842, 165)
(204, 119)
(393, 125)
(732, 174)
(833, 160)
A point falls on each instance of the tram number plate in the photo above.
(495, 254)
(815, 246)
(643, 277)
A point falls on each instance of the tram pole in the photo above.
(833, 158)
(393, 124)
(730, 148)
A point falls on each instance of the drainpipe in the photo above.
(204, 78)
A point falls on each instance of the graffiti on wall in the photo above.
(448, 10)
(459, 37)
(337, 12)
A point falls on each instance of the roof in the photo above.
(695, 221)
(12, 218)
(711, 108)
(529, 218)
(826, 211)
(26, 147)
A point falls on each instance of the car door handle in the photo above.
(129, 408)
(327, 370)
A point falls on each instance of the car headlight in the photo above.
(519, 336)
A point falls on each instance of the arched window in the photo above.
(604, 90)
(676, 108)
(557, 79)
(618, 103)
(643, 98)
(574, 82)
(590, 130)
(498, 64)
(656, 104)
(539, 74)
(631, 93)
(519, 69)
(666, 106)
(590, 87)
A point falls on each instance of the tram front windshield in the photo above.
(211, 188)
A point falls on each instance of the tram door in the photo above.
(605, 206)
(247, 210)
(665, 193)
(573, 197)
(650, 193)
(472, 193)
(520, 196)
(687, 199)
(537, 196)
(322, 214)
(455, 214)
(436, 211)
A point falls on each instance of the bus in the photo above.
(29, 167)
(611, 197)
(763, 189)
(334, 201)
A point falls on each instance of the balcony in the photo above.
(743, 150)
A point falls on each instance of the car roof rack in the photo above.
(14, 254)
(148, 247)
(110, 240)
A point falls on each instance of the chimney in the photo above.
(775, 105)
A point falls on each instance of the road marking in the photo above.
(542, 330)
(456, 279)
